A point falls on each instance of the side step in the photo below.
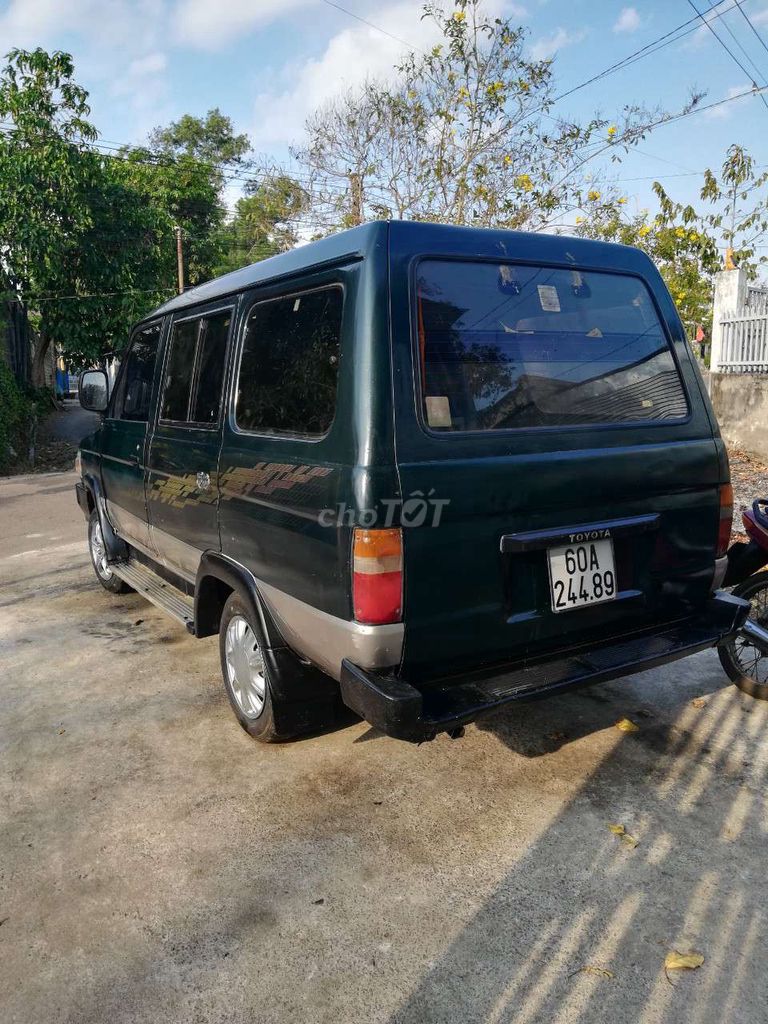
(157, 590)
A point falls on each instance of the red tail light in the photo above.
(726, 519)
(377, 576)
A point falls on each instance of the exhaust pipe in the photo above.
(756, 635)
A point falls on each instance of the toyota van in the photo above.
(426, 471)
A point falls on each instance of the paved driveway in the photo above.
(157, 865)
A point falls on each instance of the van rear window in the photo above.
(504, 346)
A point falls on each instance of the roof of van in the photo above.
(418, 236)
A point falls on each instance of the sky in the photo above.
(269, 63)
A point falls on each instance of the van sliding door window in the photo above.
(506, 346)
(289, 366)
(195, 371)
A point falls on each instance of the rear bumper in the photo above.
(395, 707)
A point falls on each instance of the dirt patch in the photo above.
(749, 477)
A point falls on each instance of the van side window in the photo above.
(195, 370)
(289, 365)
(134, 387)
(178, 372)
(212, 348)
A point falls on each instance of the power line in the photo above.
(748, 20)
(370, 24)
(646, 51)
(727, 49)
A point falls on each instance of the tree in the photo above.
(210, 140)
(264, 221)
(463, 135)
(47, 175)
(740, 226)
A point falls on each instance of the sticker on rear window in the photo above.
(438, 411)
(549, 299)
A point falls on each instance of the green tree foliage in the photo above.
(87, 240)
(210, 139)
(463, 135)
(264, 221)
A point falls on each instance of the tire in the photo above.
(245, 672)
(742, 662)
(97, 551)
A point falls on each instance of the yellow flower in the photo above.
(459, 16)
(579, 220)
(622, 200)
(644, 231)
(612, 131)
(593, 195)
(507, 159)
(680, 232)
(524, 182)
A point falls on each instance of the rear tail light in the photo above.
(726, 519)
(377, 576)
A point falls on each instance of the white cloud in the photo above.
(548, 46)
(351, 56)
(727, 109)
(210, 25)
(627, 21)
(152, 64)
(112, 23)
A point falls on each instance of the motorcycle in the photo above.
(745, 657)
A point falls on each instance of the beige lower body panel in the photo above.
(326, 640)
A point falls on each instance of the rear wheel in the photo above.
(246, 678)
(98, 552)
(744, 663)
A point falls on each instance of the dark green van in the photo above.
(425, 470)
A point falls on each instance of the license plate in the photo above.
(581, 574)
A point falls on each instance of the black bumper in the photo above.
(395, 707)
(82, 499)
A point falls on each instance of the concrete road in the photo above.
(156, 865)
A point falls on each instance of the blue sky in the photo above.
(267, 63)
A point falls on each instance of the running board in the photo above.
(157, 590)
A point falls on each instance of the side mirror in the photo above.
(93, 390)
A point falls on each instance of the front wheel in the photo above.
(98, 552)
(744, 664)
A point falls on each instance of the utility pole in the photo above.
(180, 257)
(356, 196)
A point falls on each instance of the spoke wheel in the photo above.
(745, 664)
(245, 667)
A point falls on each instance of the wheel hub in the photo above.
(245, 667)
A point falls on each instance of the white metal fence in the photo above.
(739, 325)
(744, 342)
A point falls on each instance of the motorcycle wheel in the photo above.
(743, 662)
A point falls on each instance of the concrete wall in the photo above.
(740, 401)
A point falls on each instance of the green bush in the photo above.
(19, 409)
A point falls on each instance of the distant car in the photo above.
(432, 470)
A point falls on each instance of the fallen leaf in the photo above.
(319, 903)
(624, 836)
(601, 972)
(627, 726)
(699, 702)
(62, 731)
(675, 961)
